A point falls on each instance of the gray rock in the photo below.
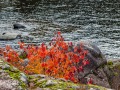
(1, 63)
(75, 87)
(26, 61)
(8, 35)
(18, 26)
(14, 69)
(94, 55)
(24, 78)
(6, 67)
(39, 76)
(20, 88)
(93, 89)
(96, 59)
(114, 75)
(50, 82)
(8, 84)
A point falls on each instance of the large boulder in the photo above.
(93, 70)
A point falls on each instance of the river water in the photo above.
(96, 21)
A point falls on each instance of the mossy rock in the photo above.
(41, 82)
(63, 85)
(14, 74)
(114, 79)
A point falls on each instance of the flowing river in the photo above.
(96, 21)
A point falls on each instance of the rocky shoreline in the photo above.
(105, 74)
(13, 79)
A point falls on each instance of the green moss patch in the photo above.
(41, 82)
(64, 85)
(15, 74)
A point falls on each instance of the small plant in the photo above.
(58, 59)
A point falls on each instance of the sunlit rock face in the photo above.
(8, 35)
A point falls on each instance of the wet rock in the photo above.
(8, 35)
(18, 26)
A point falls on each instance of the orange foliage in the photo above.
(60, 60)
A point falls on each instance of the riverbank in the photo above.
(18, 80)
(98, 71)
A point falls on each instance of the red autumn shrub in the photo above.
(59, 59)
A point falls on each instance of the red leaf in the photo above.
(48, 71)
(73, 68)
(21, 45)
(86, 62)
(43, 64)
(43, 47)
(75, 49)
(73, 79)
(70, 44)
(66, 77)
(76, 58)
(8, 60)
(59, 33)
(81, 69)
(82, 57)
(90, 81)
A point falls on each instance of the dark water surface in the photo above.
(97, 21)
